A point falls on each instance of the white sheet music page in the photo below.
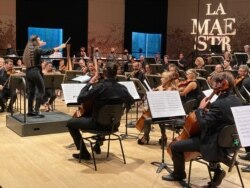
(131, 89)
(208, 92)
(71, 92)
(84, 78)
(165, 104)
(242, 120)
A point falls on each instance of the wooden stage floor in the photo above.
(45, 162)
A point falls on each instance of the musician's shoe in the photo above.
(84, 155)
(173, 177)
(219, 175)
(246, 169)
(35, 114)
(97, 148)
(245, 157)
(143, 140)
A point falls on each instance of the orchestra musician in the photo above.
(210, 121)
(1, 63)
(242, 75)
(101, 93)
(62, 66)
(5, 91)
(50, 93)
(189, 89)
(167, 84)
(32, 59)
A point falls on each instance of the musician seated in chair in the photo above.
(210, 122)
(167, 84)
(100, 94)
(5, 91)
(50, 93)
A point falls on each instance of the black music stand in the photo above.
(154, 80)
(132, 89)
(162, 110)
(156, 68)
(53, 81)
(18, 82)
(69, 75)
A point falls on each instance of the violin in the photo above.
(184, 83)
(238, 80)
(191, 126)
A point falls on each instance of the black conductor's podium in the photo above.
(21, 124)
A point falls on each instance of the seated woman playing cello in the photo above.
(167, 84)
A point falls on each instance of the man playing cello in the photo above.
(210, 123)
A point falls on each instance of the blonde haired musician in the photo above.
(167, 84)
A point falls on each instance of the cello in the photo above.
(191, 126)
(86, 108)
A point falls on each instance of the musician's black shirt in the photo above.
(105, 92)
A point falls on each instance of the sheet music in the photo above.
(71, 92)
(84, 78)
(131, 89)
(165, 104)
(242, 120)
(208, 92)
(146, 83)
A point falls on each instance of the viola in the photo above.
(84, 110)
(184, 83)
(191, 126)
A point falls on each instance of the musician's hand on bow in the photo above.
(63, 45)
(204, 103)
(1, 87)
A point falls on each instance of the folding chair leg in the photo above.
(124, 160)
(241, 181)
(108, 146)
(189, 171)
(93, 155)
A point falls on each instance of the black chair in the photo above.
(228, 140)
(110, 116)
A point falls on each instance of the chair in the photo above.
(110, 116)
(228, 139)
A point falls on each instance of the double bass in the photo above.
(191, 126)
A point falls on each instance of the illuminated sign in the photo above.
(216, 29)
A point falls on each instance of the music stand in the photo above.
(18, 82)
(154, 80)
(149, 60)
(156, 68)
(174, 61)
(69, 75)
(134, 93)
(53, 81)
(162, 110)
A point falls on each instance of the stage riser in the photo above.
(38, 126)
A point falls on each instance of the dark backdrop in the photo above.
(71, 16)
(147, 16)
